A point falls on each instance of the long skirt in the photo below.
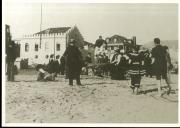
(135, 80)
(135, 73)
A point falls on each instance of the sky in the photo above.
(145, 21)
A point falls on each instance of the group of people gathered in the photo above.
(121, 66)
(69, 64)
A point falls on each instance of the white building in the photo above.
(53, 41)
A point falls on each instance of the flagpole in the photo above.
(40, 28)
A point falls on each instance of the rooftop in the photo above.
(54, 30)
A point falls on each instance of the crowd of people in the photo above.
(121, 65)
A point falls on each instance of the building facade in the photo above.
(110, 44)
(38, 47)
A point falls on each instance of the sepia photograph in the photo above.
(90, 63)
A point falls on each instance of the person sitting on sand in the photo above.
(43, 75)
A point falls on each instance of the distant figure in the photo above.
(43, 74)
(106, 65)
(147, 63)
(122, 65)
(114, 62)
(135, 72)
(100, 47)
(57, 65)
(73, 62)
(50, 65)
(175, 66)
(160, 64)
(87, 61)
(99, 42)
(62, 65)
(169, 64)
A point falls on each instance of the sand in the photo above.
(100, 100)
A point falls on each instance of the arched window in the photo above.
(26, 47)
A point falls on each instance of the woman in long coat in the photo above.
(73, 62)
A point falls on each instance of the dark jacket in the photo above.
(11, 52)
(159, 54)
(99, 42)
(52, 66)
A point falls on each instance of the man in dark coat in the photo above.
(99, 42)
(160, 64)
(11, 57)
(73, 62)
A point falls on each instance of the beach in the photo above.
(99, 100)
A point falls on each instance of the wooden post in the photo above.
(54, 46)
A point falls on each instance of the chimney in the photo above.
(134, 40)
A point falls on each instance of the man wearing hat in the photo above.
(73, 62)
(160, 64)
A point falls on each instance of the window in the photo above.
(7, 30)
(46, 46)
(46, 56)
(112, 48)
(107, 40)
(115, 40)
(57, 47)
(26, 47)
(36, 47)
(36, 56)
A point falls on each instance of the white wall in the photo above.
(61, 39)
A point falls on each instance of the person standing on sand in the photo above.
(169, 64)
(136, 69)
(73, 63)
(159, 62)
(10, 59)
